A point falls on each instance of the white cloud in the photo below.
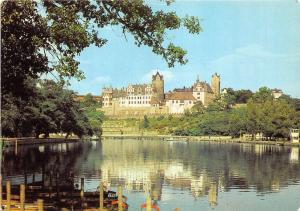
(101, 79)
(255, 50)
(168, 75)
(249, 56)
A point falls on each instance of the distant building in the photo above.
(216, 84)
(150, 99)
(277, 93)
(178, 102)
(294, 135)
(139, 95)
(183, 99)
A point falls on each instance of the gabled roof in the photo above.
(140, 88)
(180, 96)
(205, 86)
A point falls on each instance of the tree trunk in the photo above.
(37, 134)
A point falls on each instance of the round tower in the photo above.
(215, 83)
(158, 87)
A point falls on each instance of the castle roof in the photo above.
(180, 96)
(277, 90)
(157, 74)
(139, 88)
(203, 85)
(119, 93)
(184, 89)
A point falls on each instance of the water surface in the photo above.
(190, 176)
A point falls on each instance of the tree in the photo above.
(238, 121)
(43, 37)
(214, 123)
(95, 119)
(198, 108)
(49, 109)
(39, 38)
(262, 95)
(242, 96)
(88, 101)
(273, 118)
(146, 122)
(218, 104)
(229, 99)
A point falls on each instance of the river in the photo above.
(190, 176)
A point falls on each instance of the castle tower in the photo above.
(158, 87)
(215, 83)
(107, 95)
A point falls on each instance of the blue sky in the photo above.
(249, 43)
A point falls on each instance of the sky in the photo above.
(250, 43)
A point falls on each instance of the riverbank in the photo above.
(9, 142)
(217, 139)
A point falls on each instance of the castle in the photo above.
(150, 99)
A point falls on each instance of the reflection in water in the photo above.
(199, 170)
(294, 157)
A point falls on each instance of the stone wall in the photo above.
(116, 111)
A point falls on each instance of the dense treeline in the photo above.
(48, 108)
(226, 116)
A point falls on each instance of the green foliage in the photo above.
(49, 109)
(229, 99)
(46, 36)
(262, 114)
(95, 119)
(198, 108)
(272, 117)
(187, 112)
(89, 101)
(192, 24)
(242, 96)
(232, 97)
(146, 122)
(262, 95)
(218, 104)
(160, 118)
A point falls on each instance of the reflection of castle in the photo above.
(151, 166)
(213, 194)
(149, 176)
(150, 99)
(294, 156)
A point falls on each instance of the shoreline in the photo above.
(215, 139)
(12, 142)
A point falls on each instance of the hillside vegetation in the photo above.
(260, 113)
